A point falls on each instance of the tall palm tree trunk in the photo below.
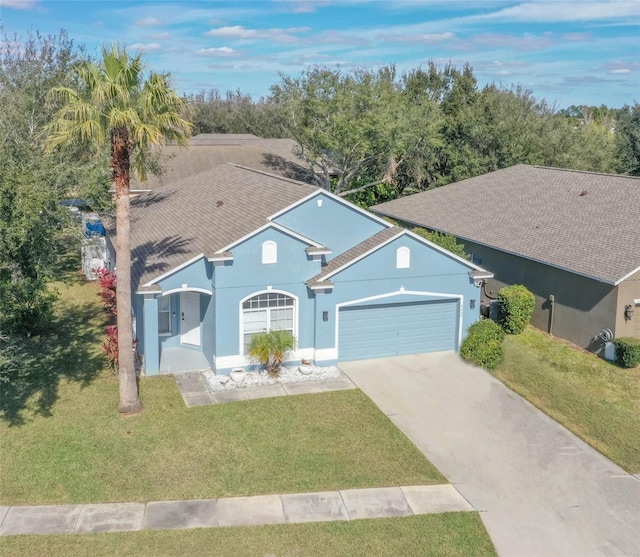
(130, 402)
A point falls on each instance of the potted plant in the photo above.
(305, 367)
(270, 347)
(238, 375)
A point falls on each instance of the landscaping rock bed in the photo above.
(258, 378)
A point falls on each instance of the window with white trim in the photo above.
(403, 258)
(164, 315)
(266, 312)
(269, 252)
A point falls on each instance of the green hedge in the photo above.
(627, 351)
(483, 345)
(516, 305)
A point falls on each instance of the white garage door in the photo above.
(377, 331)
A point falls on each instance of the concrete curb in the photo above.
(293, 508)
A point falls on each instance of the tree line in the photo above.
(422, 128)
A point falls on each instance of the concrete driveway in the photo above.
(540, 490)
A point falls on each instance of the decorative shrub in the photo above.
(110, 348)
(516, 304)
(483, 345)
(107, 281)
(444, 240)
(26, 306)
(627, 351)
(269, 348)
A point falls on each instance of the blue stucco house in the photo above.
(221, 255)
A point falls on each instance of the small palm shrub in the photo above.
(270, 347)
(627, 351)
(516, 305)
(483, 345)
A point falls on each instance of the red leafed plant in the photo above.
(110, 347)
(107, 281)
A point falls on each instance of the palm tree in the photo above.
(114, 102)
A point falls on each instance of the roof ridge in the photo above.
(336, 263)
(578, 171)
(283, 178)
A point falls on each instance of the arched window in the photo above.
(403, 258)
(267, 312)
(269, 252)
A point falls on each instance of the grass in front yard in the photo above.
(596, 400)
(447, 535)
(77, 449)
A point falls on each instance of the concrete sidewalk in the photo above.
(351, 504)
(195, 392)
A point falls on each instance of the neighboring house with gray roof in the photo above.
(223, 254)
(208, 150)
(571, 237)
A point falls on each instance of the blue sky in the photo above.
(568, 52)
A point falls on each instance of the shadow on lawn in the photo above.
(38, 364)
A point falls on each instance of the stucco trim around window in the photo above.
(241, 310)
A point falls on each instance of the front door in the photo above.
(190, 308)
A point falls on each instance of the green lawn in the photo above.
(63, 442)
(450, 534)
(596, 400)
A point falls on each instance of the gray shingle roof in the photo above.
(356, 251)
(203, 214)
(276, 156)
(584, 222)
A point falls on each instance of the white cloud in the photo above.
(302, 6)
(149, 21)
(620, 67)
(18, 4)
(161, 36)
(427, 38)
(576, 37)
(567, 11)
(145, 46)
(222, 52)
(500, 40)
(278, 35)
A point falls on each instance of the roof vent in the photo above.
(583, 193)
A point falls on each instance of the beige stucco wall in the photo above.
(583, 307)
(628, 291)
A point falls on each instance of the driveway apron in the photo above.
(540, 490)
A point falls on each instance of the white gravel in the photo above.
(257, 378)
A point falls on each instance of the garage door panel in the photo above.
(395, 329)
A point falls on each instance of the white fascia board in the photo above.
(174, 270)
(335, 197)
(626, 276)
(220, 258)
(327, 286)
(362, 256)
(264, 227)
